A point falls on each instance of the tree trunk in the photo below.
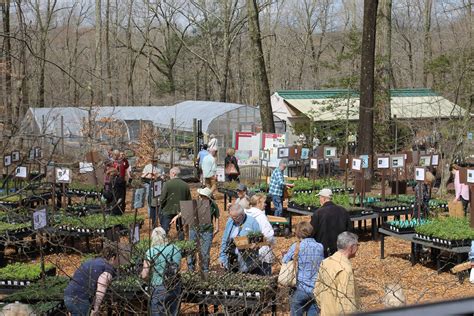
(130, 92)
(108, 68)
(427, 52)
(7, 100)
(98, 54)
(263, 89)
(22, 85)
(366, 108)
(383, 78)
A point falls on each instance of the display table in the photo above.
(357, 218)
(459, 252)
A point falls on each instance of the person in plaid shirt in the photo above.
(277, 187)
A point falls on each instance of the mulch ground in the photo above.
(421, 283)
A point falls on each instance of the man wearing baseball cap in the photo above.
(329, 221)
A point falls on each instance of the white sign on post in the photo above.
(383, 163)
(220, 173)
(314, 164)
(330, 152)
(85, 167)
(265, 155)
(21, 172)
(420, 174)
(135, 234)
(470, 176)
(397, 161)
(15, 156)
(435, 160)
(283, 152)
(356, 164)
(63, 175)
(425, 161)
(40, 219)
(157, 185)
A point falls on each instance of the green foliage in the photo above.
(450, 228)
(306, 199)
(230, 281)
(51, 290)
(42, 308)
(408, 223)
(387, 204)
(185, 245)
(84, 187)
(6, 227)
(303, 184)
(95, 221)
(23, 271)
(127, 283)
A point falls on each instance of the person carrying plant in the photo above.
(88, 285)
(257, 204)
(309, 254)
(162, 262)
(174, 191)
(150, 173)
(335, 289)
(423, 195)
(329, 221)
(238, 224)
(277, 187)
(205, 232)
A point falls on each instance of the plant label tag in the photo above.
(220, 173)
(38, 152)
(40, 219)
(397, 161)
(7, 160)
(365, 161)
(283, 152)
(425, 161)
(314, 164)
(63, 175)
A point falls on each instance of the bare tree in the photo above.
(366, 107)
(260, 72)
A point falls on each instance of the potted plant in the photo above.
(255, 237)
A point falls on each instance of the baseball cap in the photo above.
(206, 192)
(325, 193)
(242, 187)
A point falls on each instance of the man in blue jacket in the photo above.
(238, 224)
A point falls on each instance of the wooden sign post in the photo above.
(329, 154)
(383, 164)
(420, 173)
(397, 162)
(344, 163)
(264, 155)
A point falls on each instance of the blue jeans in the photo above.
(165, 221)
(76, 306)
(278, 203)
(205, 242)
(301, 303)
(164, 302)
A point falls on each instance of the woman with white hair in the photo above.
(162, 259)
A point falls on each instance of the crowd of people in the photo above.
(325, 278)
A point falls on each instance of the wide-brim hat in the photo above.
(206, 192)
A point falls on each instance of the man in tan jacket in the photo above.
(335, 289)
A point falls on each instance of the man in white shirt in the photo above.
(209, 169)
